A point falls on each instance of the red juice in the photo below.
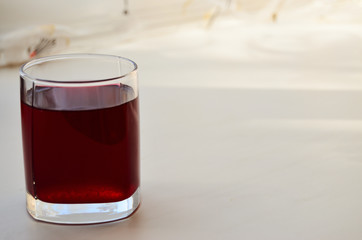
(81, 155)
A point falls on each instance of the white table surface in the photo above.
(234, 145)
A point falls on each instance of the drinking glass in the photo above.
(80, 126)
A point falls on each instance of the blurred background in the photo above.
(239, 43)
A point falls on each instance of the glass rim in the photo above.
(40, 60)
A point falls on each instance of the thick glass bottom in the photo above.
(84, 213)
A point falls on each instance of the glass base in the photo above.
(84, 213)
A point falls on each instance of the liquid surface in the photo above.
(82, 156)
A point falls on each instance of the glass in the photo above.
(80, 126)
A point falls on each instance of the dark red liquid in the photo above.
(85, 156)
